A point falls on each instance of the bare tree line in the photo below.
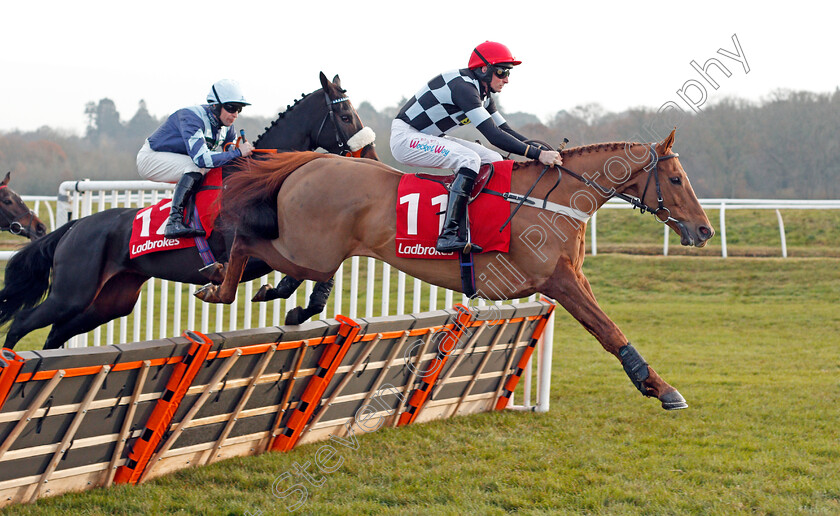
(782, 147)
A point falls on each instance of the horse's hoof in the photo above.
(265, 293)
(207, 293)
(295, 316)
(673, 401)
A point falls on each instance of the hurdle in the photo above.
(75, 419)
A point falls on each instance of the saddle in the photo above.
(484, 175)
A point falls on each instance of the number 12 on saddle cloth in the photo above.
(421, 206)
(147, 230)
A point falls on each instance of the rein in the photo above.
(652, 169)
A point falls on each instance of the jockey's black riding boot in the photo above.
(184, 190)
(450, 241)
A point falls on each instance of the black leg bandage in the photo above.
(287, 286)
(635, 366)
(317, 302)
(320, 295)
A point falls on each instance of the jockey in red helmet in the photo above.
(451, 99)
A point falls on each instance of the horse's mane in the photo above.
(596, 147)
(252, 191)
(581, 150)
(281, 115)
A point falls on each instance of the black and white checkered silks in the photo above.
(452, 99)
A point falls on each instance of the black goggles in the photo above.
(501, 73)
(232, 108)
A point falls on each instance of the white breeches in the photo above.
(411, 147)
(166, 167)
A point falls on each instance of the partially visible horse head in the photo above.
(352, 138)
(667, 192)
(324, 118)
(15, 216)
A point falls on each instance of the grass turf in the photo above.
(750, 343)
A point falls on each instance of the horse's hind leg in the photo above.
(61, 305)
(116, 299)
(572, 290)
(27, 321)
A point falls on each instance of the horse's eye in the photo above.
(7, 202)
(346, 119)
(675, 180)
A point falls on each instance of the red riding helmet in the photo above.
(490, 53)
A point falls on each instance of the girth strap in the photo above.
(201, 242)
(465, 261)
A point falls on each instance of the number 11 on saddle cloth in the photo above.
(421, 204)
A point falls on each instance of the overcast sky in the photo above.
(57, 56)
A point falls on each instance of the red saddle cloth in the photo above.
(421, 207)
(147, 230)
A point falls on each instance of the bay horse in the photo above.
(15, 215)
(105, 285)
(350, 204)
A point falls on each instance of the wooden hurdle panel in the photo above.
(80, 418)
(66, 416)
(241, 400)
(483, 364)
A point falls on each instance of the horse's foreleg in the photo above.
(317, 301)
(283, 290)
(226, 292)
(572, 290)
(215, 272)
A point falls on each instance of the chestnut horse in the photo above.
(350, 205)
(105, 284)
(15, 215)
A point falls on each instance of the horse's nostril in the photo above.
(705, 232)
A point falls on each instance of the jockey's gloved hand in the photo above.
(246, 148)
(550, 157)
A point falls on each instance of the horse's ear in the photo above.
(337, 81)
(8, 176)
(664, 147)
(324, 81)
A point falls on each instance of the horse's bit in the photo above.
(14, 226)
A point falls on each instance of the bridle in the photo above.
(13, 225)
(340, 137)
(652, 169)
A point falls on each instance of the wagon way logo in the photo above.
(436, 149)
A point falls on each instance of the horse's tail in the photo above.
(28, 274)
(249, 197)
